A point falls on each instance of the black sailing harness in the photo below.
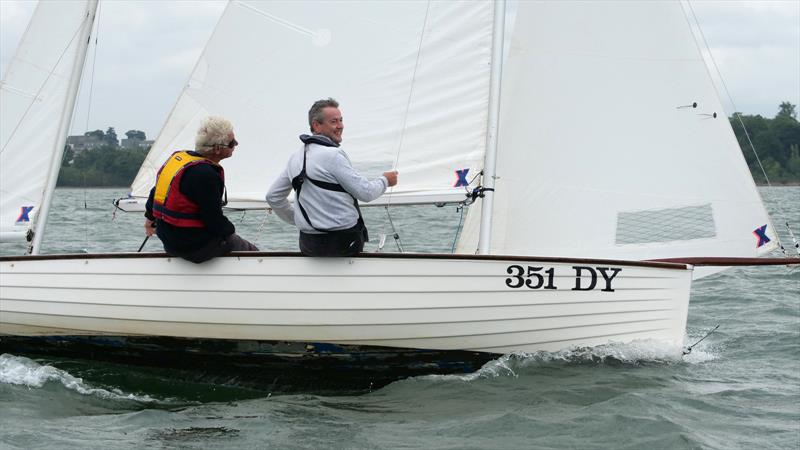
(297, 184)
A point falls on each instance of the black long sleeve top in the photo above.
(203, 185)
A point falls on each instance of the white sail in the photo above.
(268, 61)
(601, 151)
(33, 96)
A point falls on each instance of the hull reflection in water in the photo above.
(279, 366)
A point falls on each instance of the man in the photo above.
(185, 206)
(327, 189)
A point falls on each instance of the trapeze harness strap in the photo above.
(297, 184)
(169, 203)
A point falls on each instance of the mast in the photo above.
(490, 158)
(63, 126)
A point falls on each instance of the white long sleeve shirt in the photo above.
(327, 210)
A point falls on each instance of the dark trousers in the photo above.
(216, 247)
(349, 242)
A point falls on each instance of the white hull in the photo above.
(408, 301)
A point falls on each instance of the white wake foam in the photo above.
(23, 371)
(638, 352)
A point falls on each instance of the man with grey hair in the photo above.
(185, 206)
(327, 188)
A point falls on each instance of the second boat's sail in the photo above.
(34, 97)
(412, 78)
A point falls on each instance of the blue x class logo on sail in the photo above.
(761, 235)
(585, 278)
(24, 214)
(461, 177)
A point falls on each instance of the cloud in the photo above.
(147, 49)
(756, 46)
(14, 17)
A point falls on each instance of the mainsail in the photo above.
(412, 78)
(36, 103)
(613, 142)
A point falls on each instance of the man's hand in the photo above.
(149, 229)
(391, 177)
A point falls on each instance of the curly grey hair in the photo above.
(315, 113)
(213, 131)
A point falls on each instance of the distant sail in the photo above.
(33, 98)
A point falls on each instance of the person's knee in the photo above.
(240, 245)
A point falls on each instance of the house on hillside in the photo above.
(135, 143)
(81, 143)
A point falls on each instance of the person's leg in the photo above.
(238, 244)
(216, 247)
(313, 244)
(347, 243)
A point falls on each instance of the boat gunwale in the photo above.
(387, 255)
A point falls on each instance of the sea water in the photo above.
(738, 388)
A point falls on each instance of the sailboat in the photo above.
(588, 132)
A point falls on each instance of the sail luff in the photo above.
(63, 127)
(490, 158)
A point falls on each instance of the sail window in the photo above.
(665, 225)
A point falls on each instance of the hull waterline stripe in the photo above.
(322, 292)
(386, 325)
(422, 308)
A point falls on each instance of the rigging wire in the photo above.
(746, 133)
(459, 209)
(405, 121)
(85, 219)
(262, 226)
(94, 65)
(394, 231)
(88, 115)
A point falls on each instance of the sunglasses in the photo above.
(233, 143)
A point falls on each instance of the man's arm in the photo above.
(203, 185)
(277, 197)
(358, 186)
(149, 228)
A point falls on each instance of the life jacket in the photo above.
(169, 203)
(297, 185)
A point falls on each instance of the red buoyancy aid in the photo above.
(169, 203)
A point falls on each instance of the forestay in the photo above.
(268, 61)
(601, 151)
(34, 96)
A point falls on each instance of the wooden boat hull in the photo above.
(437, 302)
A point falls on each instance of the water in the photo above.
(739, 388)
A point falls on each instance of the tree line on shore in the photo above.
(776, 140)
(105, 165)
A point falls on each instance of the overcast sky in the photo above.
(147, 49)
